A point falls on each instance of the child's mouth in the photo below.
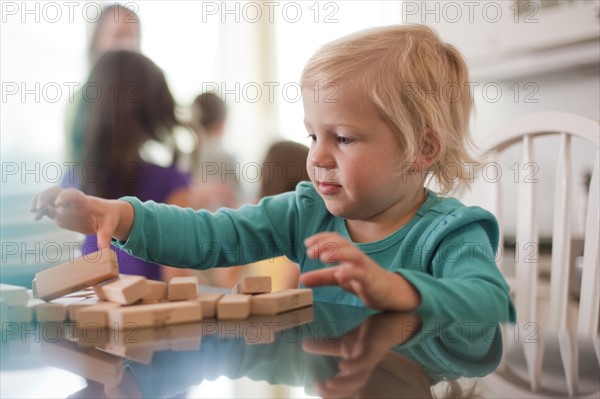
(328, 188)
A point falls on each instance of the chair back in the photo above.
(571, 322)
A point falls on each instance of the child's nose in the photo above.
(320, 156)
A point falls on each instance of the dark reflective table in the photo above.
(326, 350)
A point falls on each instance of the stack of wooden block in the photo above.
(120, 301)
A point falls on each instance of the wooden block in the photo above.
(89, 363)
(157, 291)
(253, 285)
(99, 290)
(86, 293)
(50, 312)
(127, 289)
(209, 302)
(183, 288)
(20, 314)
(76, 307)
(281, 301)
(3, 314)
(96, 315)
(161, 314)
(13, 295)
(81, 273)
(233, 307)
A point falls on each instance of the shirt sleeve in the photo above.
(167, 234)
(462, 281)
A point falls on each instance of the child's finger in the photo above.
(350, 272)
(324, 237)
(104, 235)
(40, 202)
(69, 197)
(50, 212)
(33, 203)
(333, 248)
(318, 278)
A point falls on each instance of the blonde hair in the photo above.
(419, 85)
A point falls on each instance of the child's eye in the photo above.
(312, 137)
(344, 140)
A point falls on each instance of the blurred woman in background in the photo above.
(117, 28)
(132, 107)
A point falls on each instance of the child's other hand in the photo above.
(73, 210)
(355, 272)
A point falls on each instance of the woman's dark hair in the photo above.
(211, 110)
(284, 167)
(126, 101)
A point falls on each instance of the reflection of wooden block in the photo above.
(262, 329)
(89, 363)
(253, 285)
(183, 288)
(186, 346)
(157, 290)
(94, 315)
(281, 301)
(81, 273)
(209, 303)
(91, 336)
(138, 343)
(13, 295)
(140, 355)
(161, 314)
(233, 307)
(127, 289)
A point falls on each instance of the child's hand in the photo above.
(355, 272)
(73, 210)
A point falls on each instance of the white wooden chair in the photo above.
(571, 323)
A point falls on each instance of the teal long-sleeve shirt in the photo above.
(446, 251)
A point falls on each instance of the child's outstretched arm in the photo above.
(73, 210)
(355, 272)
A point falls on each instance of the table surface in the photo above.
(322, 350)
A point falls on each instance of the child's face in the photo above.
(355, 161)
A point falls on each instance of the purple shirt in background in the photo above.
(157, 183)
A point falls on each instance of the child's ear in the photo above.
(430, 151)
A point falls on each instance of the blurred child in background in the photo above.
(283, 168)
(216, 177)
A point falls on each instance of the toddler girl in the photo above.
(385, 108)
